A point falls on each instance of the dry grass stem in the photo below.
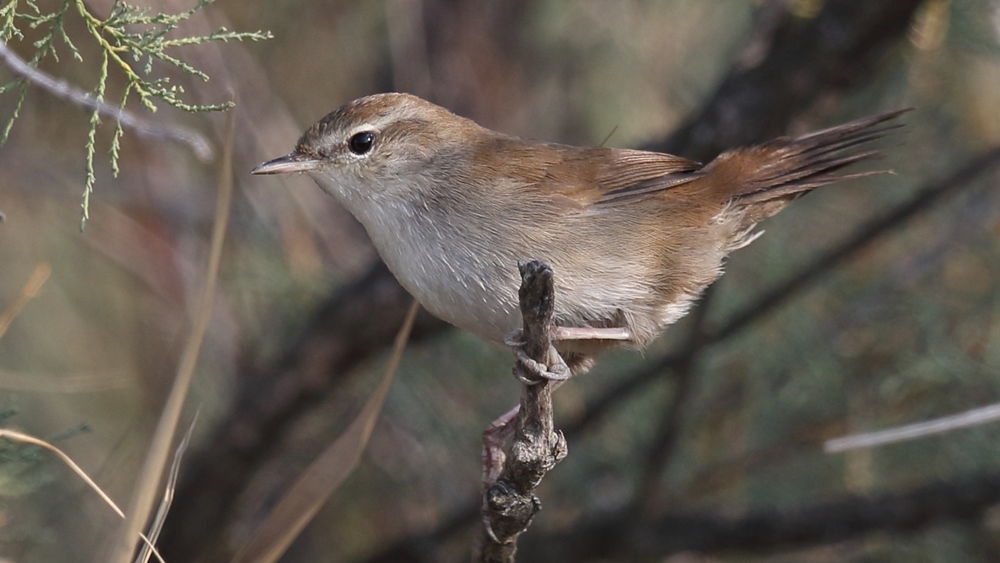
(168, 493)
(28, 439)
(29, 291)
(301, 503)
(148, 482)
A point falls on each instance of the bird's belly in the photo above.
(482, 298)
(474, 287)
(469, 293)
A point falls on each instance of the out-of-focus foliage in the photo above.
(905, 331)
(128, 37)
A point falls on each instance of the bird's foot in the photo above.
(530, 371)
(493, 440)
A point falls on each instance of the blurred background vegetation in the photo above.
(712, 452)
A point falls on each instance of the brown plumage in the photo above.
(633, 236)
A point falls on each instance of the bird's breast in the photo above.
(454, 273)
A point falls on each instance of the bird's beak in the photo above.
(291, 162)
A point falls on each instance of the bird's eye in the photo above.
(361, 143)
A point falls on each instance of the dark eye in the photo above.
(361, 143)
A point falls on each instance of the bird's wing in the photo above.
(602, 177)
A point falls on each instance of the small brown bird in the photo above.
(634, 237)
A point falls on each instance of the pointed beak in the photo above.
(291, 162)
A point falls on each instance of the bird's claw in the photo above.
(531, 372)
(514, 339)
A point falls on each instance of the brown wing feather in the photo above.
(632, 176)
(615, 176)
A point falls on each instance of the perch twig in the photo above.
(509, 503)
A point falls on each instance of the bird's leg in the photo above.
(503, 428)
(559, 372)
(515, 338)
(530, 372)
(556, 372)
(590, 333)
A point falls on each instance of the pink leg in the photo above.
(561, 333)
(590, 333)
(503, 428)
(493, 439)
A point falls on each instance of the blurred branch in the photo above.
(664, 444)
(787, 66)
(65, 91)
(967, 419)
(623, 538)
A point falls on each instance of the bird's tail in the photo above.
(761, 180)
